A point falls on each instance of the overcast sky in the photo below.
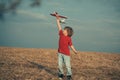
(96, 25)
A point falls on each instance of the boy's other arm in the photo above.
(73, 48)
(58, 23)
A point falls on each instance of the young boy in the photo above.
(63, 50)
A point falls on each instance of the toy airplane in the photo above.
(54, 14)
(63, 21)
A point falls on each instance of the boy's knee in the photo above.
(68, 66)
(60, 66)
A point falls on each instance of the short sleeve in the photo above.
(60, 32)
(70, 42)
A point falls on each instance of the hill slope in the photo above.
(41, 64)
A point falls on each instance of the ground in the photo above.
(41, 64)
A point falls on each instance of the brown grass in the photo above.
(41, 64)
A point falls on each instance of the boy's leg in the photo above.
(68, 65)
(60, 65)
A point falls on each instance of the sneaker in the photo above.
(69, 78)
(61, 76)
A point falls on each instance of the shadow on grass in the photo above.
(47, 69)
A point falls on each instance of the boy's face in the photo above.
(65, 32)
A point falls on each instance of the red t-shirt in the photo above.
(64, 43)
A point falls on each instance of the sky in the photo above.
(96, 25)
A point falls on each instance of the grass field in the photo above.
(41, 64)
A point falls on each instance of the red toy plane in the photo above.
(54, 14)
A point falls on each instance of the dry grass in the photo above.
(41, 64)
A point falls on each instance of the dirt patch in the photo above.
(41, 64)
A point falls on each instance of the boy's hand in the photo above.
(57, 16)
(73, 48)
(75, 52)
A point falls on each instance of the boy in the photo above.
(63, 50)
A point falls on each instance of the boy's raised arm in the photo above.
(58, 22)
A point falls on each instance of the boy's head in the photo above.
(68, 31)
